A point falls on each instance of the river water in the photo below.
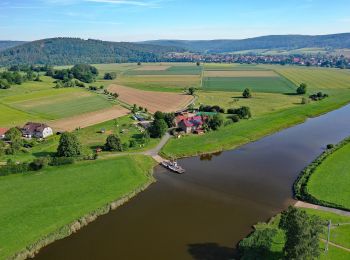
(203, 213)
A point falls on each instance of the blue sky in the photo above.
(136, 20)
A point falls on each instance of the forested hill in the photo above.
(8, 44)
(336, 41)
(64, 51)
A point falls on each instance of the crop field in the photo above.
(38, 204)
(57, 103)
(317, 78)
(235, 66)
(240, 73)
(256, 84)
(153, 101)
(260, 104)
(331, 180)
(170, 70)
(88, 119)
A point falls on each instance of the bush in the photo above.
(39, 163)
(113, 143)
(330, 146)
(215, 122)
(242, 112)
(57, 161)
(234, 118)
(13, 168)
(216, 108)
(305, 101)
(110, 76)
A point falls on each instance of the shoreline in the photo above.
(65, 231)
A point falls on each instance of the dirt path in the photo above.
(301, 204)
(336, 245)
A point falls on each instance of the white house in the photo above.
(37, 130)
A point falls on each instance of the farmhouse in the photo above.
(191, 124)
(37, 130)
(3, 132)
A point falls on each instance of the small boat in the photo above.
(173, 166)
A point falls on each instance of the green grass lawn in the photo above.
(330, 181)
(256, 84)
(245, 131)
(339, 236)
(36, 204)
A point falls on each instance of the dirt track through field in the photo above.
(240, 74)
(153, 101)
(88, 119)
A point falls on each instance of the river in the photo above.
(203, 213)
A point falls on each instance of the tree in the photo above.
(191, 91)
(2, 148)
(301, 90)
(69, 145)
(134, 109)
(4, 84)
(169, 119)
(158, 115)
(302, 234)
(215, 122)
(243, 112)
(14, 135)
(113, 143)
(158, 128)
(110, 76)
(198, 63)
(84, 72)
(247, 93)
(258, 244)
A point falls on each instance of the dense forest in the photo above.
(9, 44)
(65, 51)
(289, 42)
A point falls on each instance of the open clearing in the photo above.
(330, 181)
(240, 74)
(88, 119)
(40, 203)
(153, 101)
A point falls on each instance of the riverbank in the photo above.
(45, 206)
(326, 180)
(234, 135)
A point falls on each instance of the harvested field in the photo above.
(88, 119)
(153, 101)
(240, 74)
(155, 67)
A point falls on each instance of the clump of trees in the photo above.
(113, 143)
(69, 145)
(301, 90)
(318, 96)
(215, 109)
(83, 72)
(14, 136)
(214, 122)
(247, 93)
(110, 76)
(8, 78)
(159, 126)
(242, 112)
(191, 91)
(169, 118)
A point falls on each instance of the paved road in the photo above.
(301, 204)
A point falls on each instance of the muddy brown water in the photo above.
(204, 213)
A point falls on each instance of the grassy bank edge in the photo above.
(300, 185)
(31, 250)
(281, 120)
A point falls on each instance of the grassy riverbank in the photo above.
(330, 181)
(233, 135)
(339, 236)
(38, 205)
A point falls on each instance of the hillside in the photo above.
(9, 44)
(288, 42)
(64, 51)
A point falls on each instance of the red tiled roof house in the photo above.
(3, 132)
(191, 124)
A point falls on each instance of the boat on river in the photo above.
(173, 166)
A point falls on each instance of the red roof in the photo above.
(3, 131)
(193, 121)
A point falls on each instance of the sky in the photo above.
(138, 20)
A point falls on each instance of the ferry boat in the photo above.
(173, 166)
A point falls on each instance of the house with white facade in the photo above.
(37, 130)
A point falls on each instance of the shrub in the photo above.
(57, 161)
(330, 146)
(215, 122)
(234, 118)
(13, 168)
(305, 101)
(113, 143)
(110, 76)
(39, 163)
(242, 112)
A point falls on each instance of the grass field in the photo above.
(339, 236)
(186, 69)
(260, 104)
(330, 181)
(256, 84)
(37, 204)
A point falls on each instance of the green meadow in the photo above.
(330, 181)
(41, 203)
